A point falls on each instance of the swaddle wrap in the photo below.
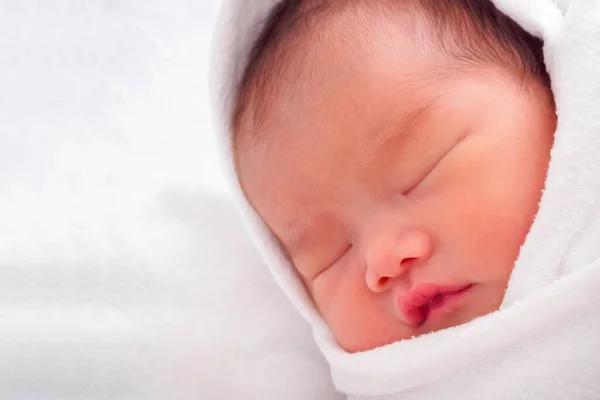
(543, 341)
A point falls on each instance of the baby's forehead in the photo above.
(310, 82)
(302, 41)
(326, 47)
(339, 117)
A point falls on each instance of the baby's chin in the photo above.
(380, 337)
(479, 301)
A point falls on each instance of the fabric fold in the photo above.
(542, 342)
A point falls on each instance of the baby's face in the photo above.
(402, 195)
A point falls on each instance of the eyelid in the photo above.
(421, 179)
(335, 261)
(430, 170)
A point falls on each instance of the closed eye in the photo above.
(422, 178)
(341, 255)
(433, 167)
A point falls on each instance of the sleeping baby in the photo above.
(397, 151)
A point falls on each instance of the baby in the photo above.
(397, 149)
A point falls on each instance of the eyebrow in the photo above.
(400, 129)
(298, 241)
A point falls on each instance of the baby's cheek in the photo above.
(350, 309)
(335, 293)
(480, 220)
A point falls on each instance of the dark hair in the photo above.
(473, 31)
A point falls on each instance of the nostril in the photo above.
(383, 280)
(408, 261)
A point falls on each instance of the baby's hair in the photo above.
(467, 32)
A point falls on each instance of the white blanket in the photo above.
(543, 343)
(124, 271)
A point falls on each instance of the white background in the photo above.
(124, 273)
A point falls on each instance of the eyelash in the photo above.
(406, 192)
(413, 187)
(335, 261)
(340, 256)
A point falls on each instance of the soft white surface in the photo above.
(543, 343)
(124, 273)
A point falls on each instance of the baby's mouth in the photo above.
(436, 302)
(419, 303)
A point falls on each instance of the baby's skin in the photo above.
(400, 188)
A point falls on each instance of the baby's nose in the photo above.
(389, 257)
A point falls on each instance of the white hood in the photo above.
(545, 332)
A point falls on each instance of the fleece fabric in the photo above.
(542, 343)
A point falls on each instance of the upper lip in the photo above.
(414, 306)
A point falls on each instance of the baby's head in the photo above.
(397, 149)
